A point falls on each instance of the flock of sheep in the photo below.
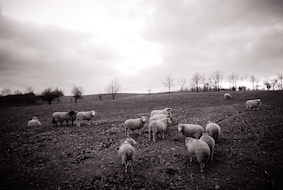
(199, 142)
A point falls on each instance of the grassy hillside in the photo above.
(247, 156)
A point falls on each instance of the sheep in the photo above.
(63, 116)
(34, 122)
(190, 130)
(213, 130)
(133, 124)
(210, 141)
(227, 96)
(156, 126)
(127, 153)
(164, 111)
(85, 115)
(250, 104)
(199, 149)
(160, 116)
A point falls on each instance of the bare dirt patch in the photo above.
(248, 154)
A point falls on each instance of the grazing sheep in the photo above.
(63, 116)
(166, 111)
(213, 130)
(160, 116)
(84, 115)
(210, 141)
(250, 104)
(34, 122)
(198, 149)
(190, 130)
(156, 126)
(133, 124)
(227, 96)
(127, 152)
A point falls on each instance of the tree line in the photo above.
(49, 95)
(215, 82)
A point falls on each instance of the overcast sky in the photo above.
(66, 43)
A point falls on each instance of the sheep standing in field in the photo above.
(160, 116)
(127, 153)
(156, 126)
(210, 141)
(133, 124)
(198, 149)
(34, 122)
(84, 115)
(213, 130)
(250, 104)
(165, 111)
(227, 96)
(63, 116)
(190, 130)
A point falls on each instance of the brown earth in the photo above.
(248, 154)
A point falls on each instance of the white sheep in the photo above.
(63, 116)
(227, 96)
(198, 149)
(34, 122)
(165, 111)
(127, 152)
(84, 115)
(133, 124)
(213, 130)
(210, 141)
(160, 116)
(156, 126)
(191, 130)
(250, 104)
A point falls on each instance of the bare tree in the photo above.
(58, 93)
(267, 85)
(273, 83)
(168, 82)
(253, 80)
(113, 87)
(204, 83)
(182, 83)
(196, 79)
(100, 95)
(233, 79)
(77, 93)
(29, 90)
(216, 79)
(280, 81)
(48, 95)
(6, 92)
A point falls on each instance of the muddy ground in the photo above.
(248, 154)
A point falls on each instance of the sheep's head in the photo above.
(169, 110)
(188, 139)
(143, 118)
(92, 112)
(34, 118)
(131, 141)
(180, 127)
(71, 113)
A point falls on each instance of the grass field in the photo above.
(248, 154)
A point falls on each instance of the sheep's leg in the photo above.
(61, 123)
(126, 166)
(132, 168)
(139, 131)
(163, 134)
(201, 167)
(211, 155)
(154, 136)
(88, 122)
(149, 133)
(191, 158)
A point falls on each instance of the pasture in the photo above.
(248, 154)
